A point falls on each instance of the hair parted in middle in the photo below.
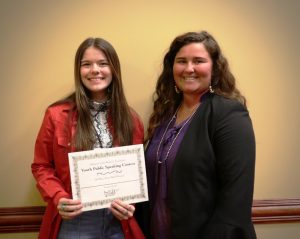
(119, 110)
(166, 100)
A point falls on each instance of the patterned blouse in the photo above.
(103, 136)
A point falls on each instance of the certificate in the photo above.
(99, 176)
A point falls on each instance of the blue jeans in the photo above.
(96, 224)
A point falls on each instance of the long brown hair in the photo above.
(167, 100)
(119, 109)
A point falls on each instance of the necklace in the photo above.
(176, 136)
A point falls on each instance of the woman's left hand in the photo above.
(121, 210)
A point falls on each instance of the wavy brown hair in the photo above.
(119, 110)
(166, 100)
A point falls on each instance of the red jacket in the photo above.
(51, 167)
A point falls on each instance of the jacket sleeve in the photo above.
(43, 166)
(234, 146)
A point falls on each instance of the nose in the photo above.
(189, 67)
(95, 68)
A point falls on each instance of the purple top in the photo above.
(158, 174)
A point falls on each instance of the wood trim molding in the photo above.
(276, 211)
(28, 219)
(20, 219)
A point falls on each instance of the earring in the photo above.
(211, 90)
(176, 89)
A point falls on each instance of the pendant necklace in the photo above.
(176, 136)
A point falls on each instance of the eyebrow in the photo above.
(197, 57)
(101, 60)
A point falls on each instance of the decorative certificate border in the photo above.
(112, 161)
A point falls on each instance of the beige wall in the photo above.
(260, 39)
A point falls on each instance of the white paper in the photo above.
(99, 176)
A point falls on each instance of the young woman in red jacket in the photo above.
(96, 115)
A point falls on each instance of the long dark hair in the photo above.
(222, 82)
(119, 110)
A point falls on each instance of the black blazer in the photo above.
(211, 186)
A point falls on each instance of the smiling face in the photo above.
(95, 73)
(192, 69)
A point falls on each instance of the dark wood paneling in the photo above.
(21, 219)
(28, 219)
(276, 211)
